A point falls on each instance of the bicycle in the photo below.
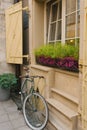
(34, 105)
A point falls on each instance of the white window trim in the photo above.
(76, 11)
(52, 23)
(63, 23)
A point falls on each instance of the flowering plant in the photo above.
(58, 55)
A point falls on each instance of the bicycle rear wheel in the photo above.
(35, 111)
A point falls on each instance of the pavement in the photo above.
(10, 117)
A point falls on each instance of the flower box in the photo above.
(67, 63)
(59, 56)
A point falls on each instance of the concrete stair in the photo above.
(61, 116)
(62, 92)
(65, 98)
(63, 101)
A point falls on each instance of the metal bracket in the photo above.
(23, 56)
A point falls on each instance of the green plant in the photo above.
(58, 51)
(8, 80)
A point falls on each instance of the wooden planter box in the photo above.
(67, 63)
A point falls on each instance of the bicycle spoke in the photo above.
(35, 111)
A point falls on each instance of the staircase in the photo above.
(62, 95)
(61, 116)
(63, 102)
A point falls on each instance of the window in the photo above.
(63, 21)
(72, 21)
(54, 31)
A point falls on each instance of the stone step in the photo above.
(62, 112)
(67, 99)
(58, 125)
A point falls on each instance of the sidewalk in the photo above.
(10, 117)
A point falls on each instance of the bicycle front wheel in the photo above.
(25, 89)
(35, 111)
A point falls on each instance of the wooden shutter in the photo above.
(14, 34)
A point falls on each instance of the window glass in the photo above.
(73, 41)
(72, 20)
(70, 25)
(55, 22)
(70, 6)
(48, 6)
(52, 32)
(54, 12)
(59, 9)
(78, 4)
(70, 42)
(78, 24)
(58, 37)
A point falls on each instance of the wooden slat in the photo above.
(14, 34)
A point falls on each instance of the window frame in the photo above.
(63, 23)
(56, 22)
(76, 23)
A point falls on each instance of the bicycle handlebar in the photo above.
(27, 76)
(37, 76)
(24, 76)
(27, 69)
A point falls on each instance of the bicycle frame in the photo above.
(34, 106)
(31, 89)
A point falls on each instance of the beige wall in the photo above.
(37, 36)
(36, 25)
(4, 4)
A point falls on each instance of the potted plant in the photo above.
(59, 56)
(7, 81)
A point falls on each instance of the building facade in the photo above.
(45, 22)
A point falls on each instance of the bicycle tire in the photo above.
(35, 111)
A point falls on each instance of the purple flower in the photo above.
(67, 63)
